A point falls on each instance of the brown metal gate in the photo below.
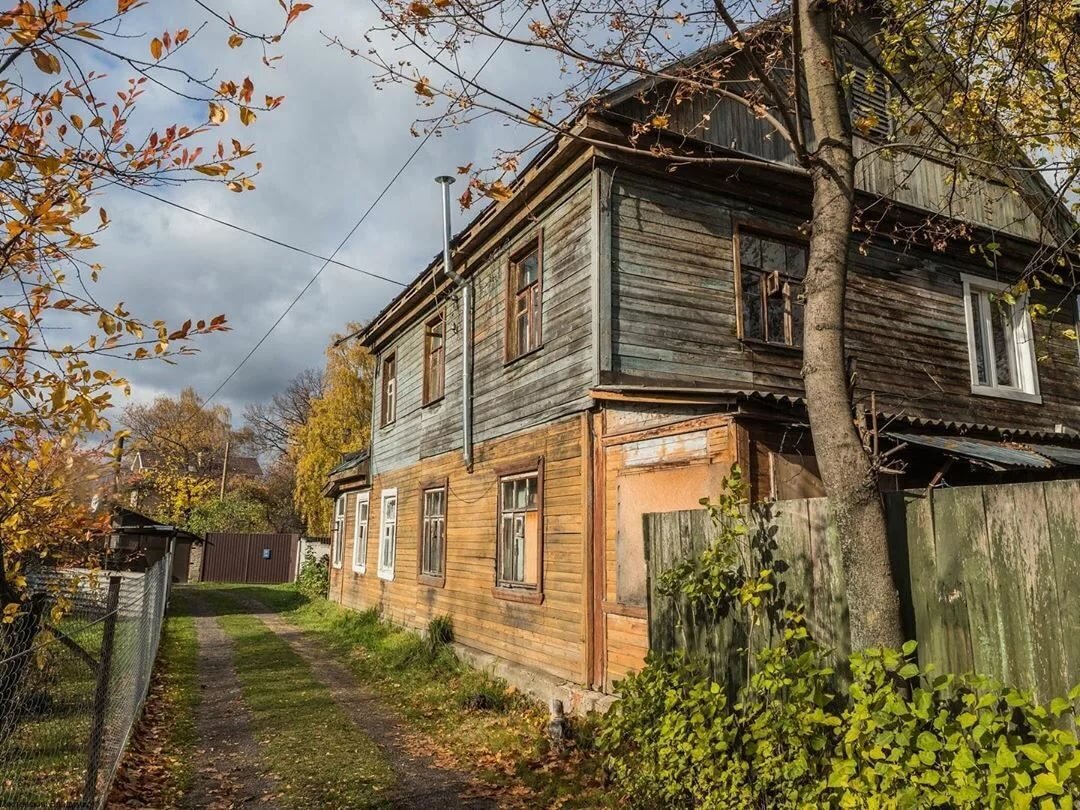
(264, 559)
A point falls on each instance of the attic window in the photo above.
(1000, 342)
(868, 103)
(523, 300)
(388, 407)
(434, 360)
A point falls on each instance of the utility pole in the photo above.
(224, 471)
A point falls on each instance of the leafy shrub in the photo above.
(314, 579)
(788, 735)
(440, 633)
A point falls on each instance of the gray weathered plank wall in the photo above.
(674, 316)
(536, 389)
(991, 573)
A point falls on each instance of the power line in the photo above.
(262, 236)
(355, 227)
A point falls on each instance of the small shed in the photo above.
(136, 542)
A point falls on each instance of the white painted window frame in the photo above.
(337, 540)
(387, 535)
(1027, 370)
(360, 532)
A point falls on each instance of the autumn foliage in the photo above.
(72, 75)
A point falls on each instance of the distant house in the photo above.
(635, 332)
(210, 465)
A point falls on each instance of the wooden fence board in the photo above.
(1063, 520)
(958, 522)
(990, 572)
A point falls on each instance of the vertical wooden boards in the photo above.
(829, 618)
(959, 529)
(1063, 525)
(911, 520)
(1024, 568)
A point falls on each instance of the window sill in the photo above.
(387, 575)
(519, 595)
(431, 581)
(359, 570)
(337, 566)
(429, 402)
(387, 425)
(749, 344)
(1006, 393)
(511, 360)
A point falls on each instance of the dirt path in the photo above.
(422, 784)
(228, 772)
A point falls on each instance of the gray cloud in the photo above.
(327, 151)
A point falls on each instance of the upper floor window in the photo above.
(359, 555)
(770, 276)
(434, 359)
(337, 550)
(1000, 343)
(388, 404)
(433, 535)
(520, 551)
(868, 102)
(523, 304)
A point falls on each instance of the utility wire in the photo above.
(355, 227)
(262, 236)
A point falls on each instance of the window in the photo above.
(434, 360)
(519, 555)
(388, 534)
(868, 103)
(359, 553)
(433, 536)
(1000, 344)
(338, 538)
(389, 389)
(523, 305)
(770, 276)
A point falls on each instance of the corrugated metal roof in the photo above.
(1062, 455)
(993, 454)
(350, 461)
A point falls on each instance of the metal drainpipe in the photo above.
(466, 327)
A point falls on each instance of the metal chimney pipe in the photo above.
(466, 327)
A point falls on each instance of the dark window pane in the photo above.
(773, 256)
(753, 328)
(796, 261)
(982, 372)
(749, 250)
(1002, 332)
(775, 317)
(796, 304)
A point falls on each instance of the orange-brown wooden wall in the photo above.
(549, 636)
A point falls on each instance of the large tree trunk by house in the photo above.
(846, 470)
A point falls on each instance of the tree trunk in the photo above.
(846, 470)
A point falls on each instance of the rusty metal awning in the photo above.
(996, 455)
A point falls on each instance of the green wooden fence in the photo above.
(989, 579)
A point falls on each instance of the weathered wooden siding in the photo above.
(549, 637)
(547, 384)
(682, 461)
(674, 317)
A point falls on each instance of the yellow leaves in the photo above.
(296, 10)
(235, 41)
(498, 191)
(46, 62)
(247, 116)
(419, 9)
(157, 48)
(7, 169)
(214, 169)
(660, 121)
(218, 113)
(76, 121)
(243, 184)
(123, 6)
(536, 116)
(423, 87)
(865, 123)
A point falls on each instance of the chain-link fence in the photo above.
(75, 666)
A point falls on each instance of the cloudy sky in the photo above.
(328, 151)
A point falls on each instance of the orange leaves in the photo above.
(247, 116)
(498, 191)
(660, 121)
(123, 6)
(235, 41)
(218, 114)
(46, 62)
(157, 48)
(296, 10)
(419, 9)
(423, 87)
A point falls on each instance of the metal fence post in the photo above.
(101, 694)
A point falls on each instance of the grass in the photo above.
(472, 718)
(319, 758)
(178, 662)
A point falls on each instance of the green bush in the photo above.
(314, 579)
(788, 736)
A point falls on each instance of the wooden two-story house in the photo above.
(631, 332)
